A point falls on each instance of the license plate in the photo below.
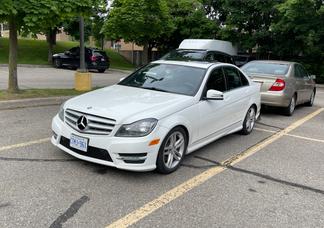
(79, 143)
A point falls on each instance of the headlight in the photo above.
(61, 112)
(137, 129)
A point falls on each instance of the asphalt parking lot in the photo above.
(271, 178)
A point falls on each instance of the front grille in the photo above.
(96, 125)
(92, 152)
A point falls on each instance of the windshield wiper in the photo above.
(153, 78)
(155, 89)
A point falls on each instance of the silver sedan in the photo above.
(284, 84)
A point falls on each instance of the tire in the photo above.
(288, 111)
(249, 121)
(101, 70)
(311, 99)
(57, 63)
(170, 156)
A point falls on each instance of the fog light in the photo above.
(54, 135)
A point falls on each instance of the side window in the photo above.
(210, 57)
(303, 71)
(216, 80)
(230, 60)
(298, 73)
(220, 58)
(233, 78)
(244, 81)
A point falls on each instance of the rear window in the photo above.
(185, 55)
(99, 53)
(266, 68)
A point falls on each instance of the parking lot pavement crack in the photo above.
(264, 176)
(36, 159)
(269, 125)
(4, 205)
(70, 212)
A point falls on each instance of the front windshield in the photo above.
(167, 78)
(185, 55)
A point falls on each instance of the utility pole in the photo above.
(82, 49)
(83, 79)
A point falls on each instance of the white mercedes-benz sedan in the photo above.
(158, 114)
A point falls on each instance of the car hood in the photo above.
(128, 104)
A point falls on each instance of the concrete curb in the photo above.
(32, 102)
(319, 86)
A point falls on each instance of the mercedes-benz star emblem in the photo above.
(82, 123)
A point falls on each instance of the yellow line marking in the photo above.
(10, 147)
(181, 189)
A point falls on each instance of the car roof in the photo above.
(204, 50)
(204, 65)
(273, 61)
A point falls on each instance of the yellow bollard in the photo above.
(83, 81)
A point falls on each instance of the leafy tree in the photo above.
(190, 21)
(299, 33)
(247, 22)
(139, 21)
(72, 27)
(33, 16)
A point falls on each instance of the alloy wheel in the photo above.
(250, 119)
(292, 105)
(173, 150)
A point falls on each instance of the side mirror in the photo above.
(67, 53)
(214, 95)
(121, 79)
(313, 77)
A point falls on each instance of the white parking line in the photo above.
(291, 135)
(10, 147)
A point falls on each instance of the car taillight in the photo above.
(278, 85)
(93, 58)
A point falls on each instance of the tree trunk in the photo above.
(51, 41)
(13, 46)
(145, 54)
(149, 53)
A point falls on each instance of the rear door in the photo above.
(308, 83)
(238, 94)
(300, 83)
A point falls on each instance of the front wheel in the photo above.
(249, 121)
(172, 151)
(57, 63)
(101, 70)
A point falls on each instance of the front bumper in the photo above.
(277, 99)
(133, 154)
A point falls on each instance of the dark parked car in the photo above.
(240, 60)
(94, 58)
(199, 55)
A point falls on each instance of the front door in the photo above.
(214, 114)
